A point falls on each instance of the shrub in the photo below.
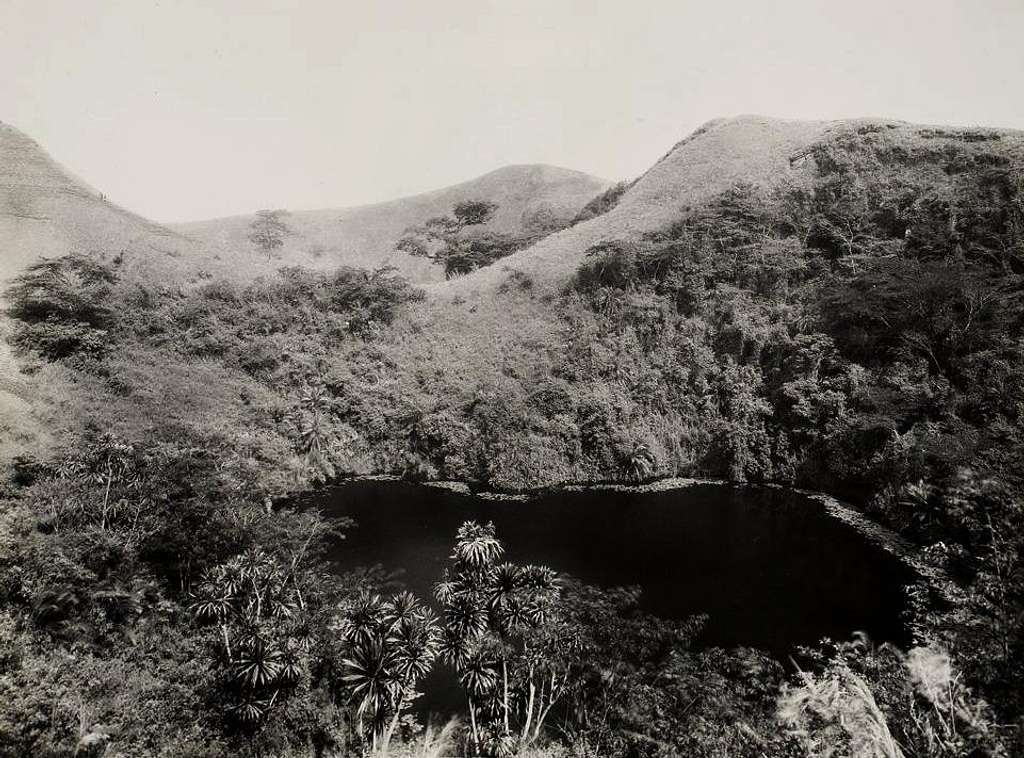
(61, 307)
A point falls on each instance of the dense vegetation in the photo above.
(458, 244)
(856, 329)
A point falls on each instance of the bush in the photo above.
(61, 307)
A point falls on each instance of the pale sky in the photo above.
(184, 110)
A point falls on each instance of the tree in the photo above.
(639, 462)
(391, 646)
(268, 230)
(497, 617)
(931, 310)
(61, 307)
(453, 242)
(257, 605)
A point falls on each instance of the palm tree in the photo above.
(254, 603)
(506, 607)
(258, 662)
(490, 611)
(373, 681)
(314, 422)
(394, 643)
(446, 589)
(479, 678)
(477, 545)
(639, 462)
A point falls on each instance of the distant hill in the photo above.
(722, 153)
(365, 236)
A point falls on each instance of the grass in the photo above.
(435, 742)
(46, 211)
(722, 153)
(747, 148)
(365, 236)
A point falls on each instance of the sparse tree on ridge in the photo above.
(268, 230)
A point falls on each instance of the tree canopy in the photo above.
(268, 230)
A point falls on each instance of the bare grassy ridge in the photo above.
(45, 211)
(752, 149)
(365, 236)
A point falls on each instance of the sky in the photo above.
(183, 110)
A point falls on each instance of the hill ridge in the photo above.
(720, 153)
(366, 235)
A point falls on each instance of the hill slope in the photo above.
(365, 236)
(757, 150)
(46, 211)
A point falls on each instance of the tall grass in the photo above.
(435, 742)
(836, 714)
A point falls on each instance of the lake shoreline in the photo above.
(843, 511)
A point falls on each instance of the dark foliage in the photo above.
(456, 243)
(602, 203)
(61, 307)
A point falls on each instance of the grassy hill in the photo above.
(507, 324)
(765, 152)
(45, 211)
(365, 236)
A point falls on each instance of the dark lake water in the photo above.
(770, 567)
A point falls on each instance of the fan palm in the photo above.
(394, 644)
(479, 678)
(454, 648)
(446, 590)
(250, 710)
(366, 616)
(639, 462)
(491, 611)
(467, 617)
(399, 608)
(506, 581)
(370, 672)
(265, 639)
(417, 642)
(213, 604)
(477, 545)
(257, 662)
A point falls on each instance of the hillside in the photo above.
(45, 211)
(365, 236)
(765, 152)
